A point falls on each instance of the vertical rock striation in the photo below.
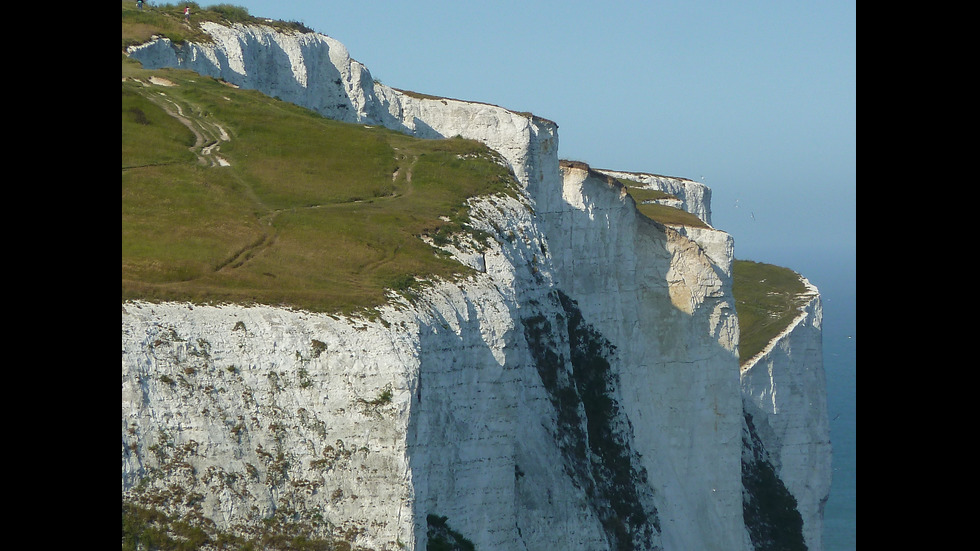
(581, 392)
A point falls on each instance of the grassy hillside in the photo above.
(767, 299)
(308, 212)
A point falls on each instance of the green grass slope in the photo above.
(293, 209)
(767, 299)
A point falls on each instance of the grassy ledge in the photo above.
(767, 298)
(644, 198)
(664, 214)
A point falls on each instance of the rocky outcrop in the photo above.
(581, 392)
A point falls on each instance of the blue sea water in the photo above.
(840, 365)
(834, 272)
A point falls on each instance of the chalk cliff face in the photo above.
(582, 391)
(784, 391)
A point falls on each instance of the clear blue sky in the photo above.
(757, 97)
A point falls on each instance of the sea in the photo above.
(834, 272)
(840, 366)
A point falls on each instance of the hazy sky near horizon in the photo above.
(756, 98)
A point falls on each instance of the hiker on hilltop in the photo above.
(187, 14)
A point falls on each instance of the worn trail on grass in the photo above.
(208, 137)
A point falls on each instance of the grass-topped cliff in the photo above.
(295, 209)
(292, 208)
(767, 298)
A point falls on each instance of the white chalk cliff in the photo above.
(581, 392)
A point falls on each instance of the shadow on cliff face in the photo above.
(478, 447)
(458, 425)
(771, 515)
(421, 129)
(594, 434)
(465, 436)
(659, 297)
(324, 91)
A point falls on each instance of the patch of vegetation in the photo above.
(383, 398)
(662, 214)
(311, 213)
(375, 406)
(146, 527)
(319, 347)
(304, 378)
(767, 298)
(231, 13)
(770, 510)
(419, 95)
(616, 477)
(595, 447)
(641, 195)
(440, 537)
(669, 215)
